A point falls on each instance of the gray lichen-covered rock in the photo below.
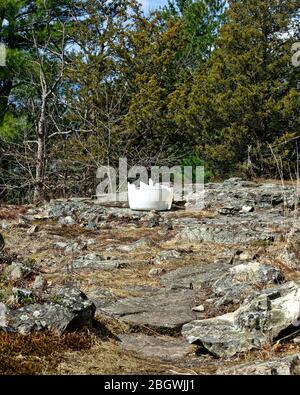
(3, 316)
(143, 243)
(240, 280)
(67, 220)
(237, 193)
(167, 256)
(255, 273)
(225, 233)
(17, 271)
(259, 320)
(68, 309)
(93, 261)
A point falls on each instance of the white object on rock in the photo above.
(150, 197)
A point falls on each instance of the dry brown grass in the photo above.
(37, 353)
(11, 212)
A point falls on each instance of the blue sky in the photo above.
(152, 4)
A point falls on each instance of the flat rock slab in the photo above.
(238, 193)
(164, 348)
(92, 261)
(225, 234)
(280, 366)
(164, 309)
(195, 275)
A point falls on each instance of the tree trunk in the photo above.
(41, 155)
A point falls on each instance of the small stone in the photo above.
(247, 209)
(246, 256)
(67, 220)
(22, 223)
(5, 224)
(60, 245)
(90, 242)
(152, 223)
(167, 255)
(227, 210)
(167, 226)
(199, 309)
(39, 282)
(33, 229)
(156, 272)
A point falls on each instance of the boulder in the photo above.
(67, 309)
(240, 280)
(259, 320)
(156, 271)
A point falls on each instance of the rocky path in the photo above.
(215, 291)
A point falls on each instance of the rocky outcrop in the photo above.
(259, 321)
(242, 279)
(237, 193)
(232, 232)
(67, 309)
(216, 275)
